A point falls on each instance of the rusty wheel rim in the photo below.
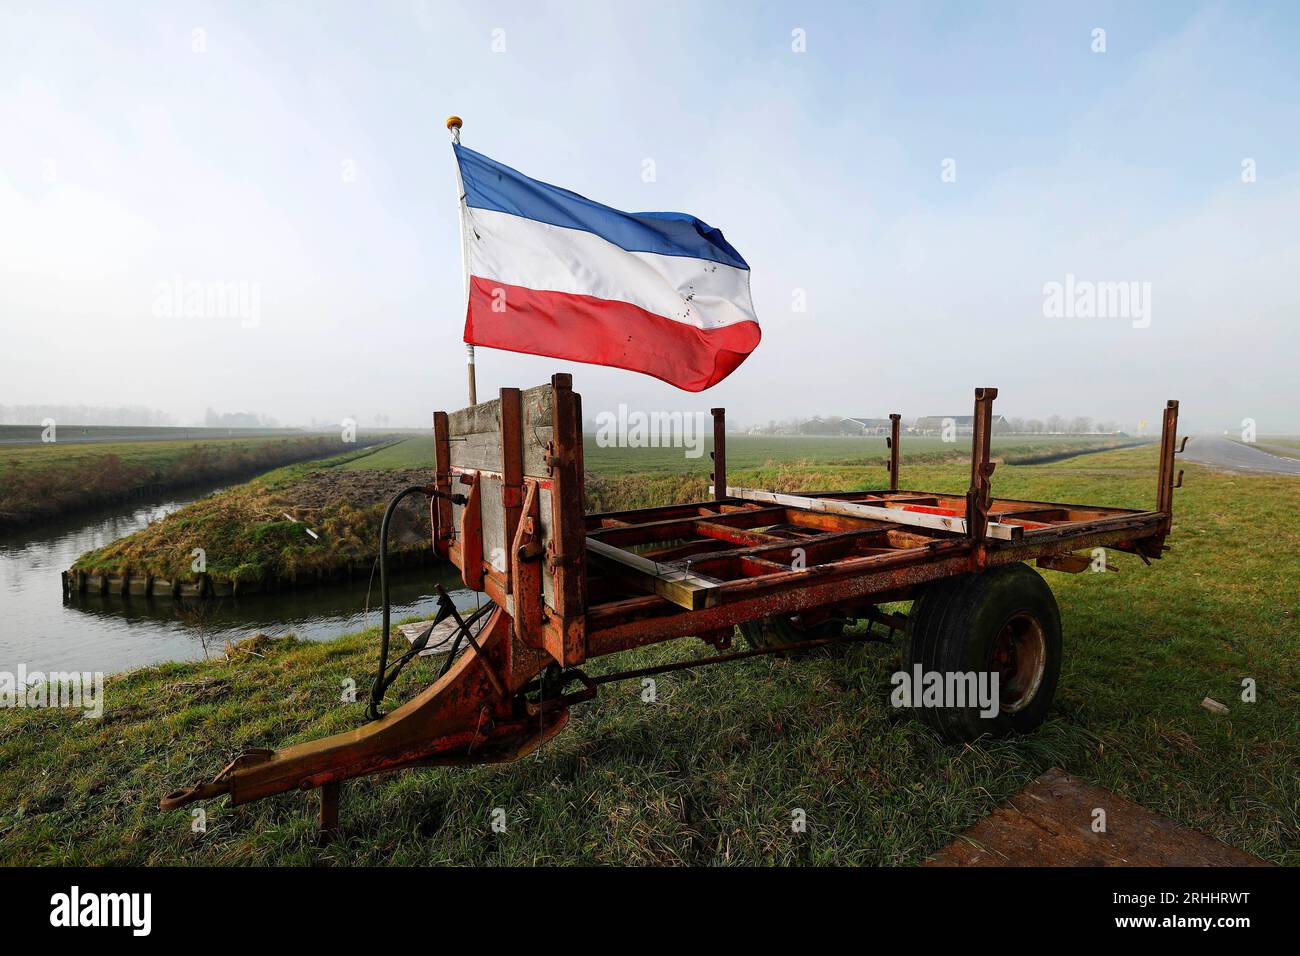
(1020, 660)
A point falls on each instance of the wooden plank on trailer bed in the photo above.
(685, 588)
(852, 509)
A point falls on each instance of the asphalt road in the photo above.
(1225, 453)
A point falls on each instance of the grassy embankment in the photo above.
(711, 772)
(40, 481)
(301, 523)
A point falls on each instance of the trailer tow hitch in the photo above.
(462, 718)
(218, 785)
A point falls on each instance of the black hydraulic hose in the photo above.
(465, 630)
(377, 690)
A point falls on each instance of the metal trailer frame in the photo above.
(506, 502)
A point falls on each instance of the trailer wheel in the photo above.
(781, 629)
(1004, 621)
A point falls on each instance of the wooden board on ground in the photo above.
(439, 641)
(1050, 822)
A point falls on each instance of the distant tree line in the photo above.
(835, 425)
(83, 415)
(213, 419)
(1060, 425)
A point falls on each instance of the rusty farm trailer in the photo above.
(787, 570)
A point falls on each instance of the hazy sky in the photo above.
(297, 151)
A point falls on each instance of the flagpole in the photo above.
(454, 125)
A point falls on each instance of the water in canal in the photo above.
(110, 633)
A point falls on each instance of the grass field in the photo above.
(43, 480)
(155, 456)
(712, 771)
(85, 433)
(414, 452)
(756, 451)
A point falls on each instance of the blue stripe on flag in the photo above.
(492, 185)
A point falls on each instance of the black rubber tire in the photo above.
(787, 629)
(955, 625)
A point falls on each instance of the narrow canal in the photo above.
(109, 633)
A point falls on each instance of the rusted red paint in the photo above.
(764, 560)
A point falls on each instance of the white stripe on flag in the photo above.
(516, 251)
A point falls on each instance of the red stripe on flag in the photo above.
(582, 328)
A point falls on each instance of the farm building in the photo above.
(934, 424)
(870, 426)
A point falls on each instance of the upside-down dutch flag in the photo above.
(553, 273)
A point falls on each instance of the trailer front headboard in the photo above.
(511, 516)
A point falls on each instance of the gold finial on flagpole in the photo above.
(454, 124)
